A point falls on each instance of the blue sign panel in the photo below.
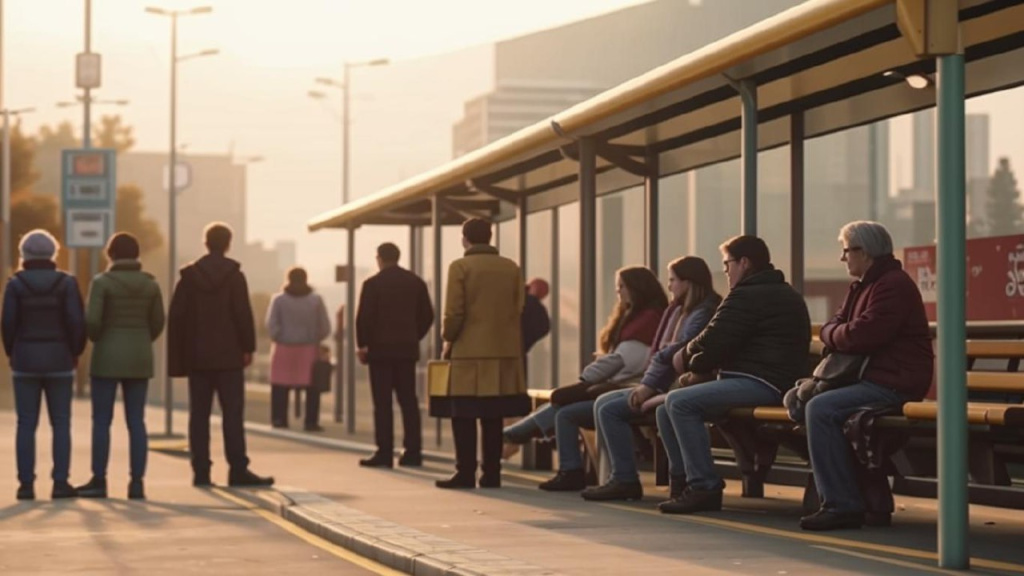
(89, 178)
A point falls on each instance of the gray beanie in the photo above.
(38, 245)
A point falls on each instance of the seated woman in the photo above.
(884, 319)
(624, 347)
(694, 301)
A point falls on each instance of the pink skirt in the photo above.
(292, 364)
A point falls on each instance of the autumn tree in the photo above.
(131, 217)
(1004, 208)
(112, 132)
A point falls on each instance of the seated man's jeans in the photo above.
(683, 431)
(831, 455)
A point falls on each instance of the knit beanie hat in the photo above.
(38, 245)
(693, 269)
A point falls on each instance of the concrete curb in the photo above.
(399, 547)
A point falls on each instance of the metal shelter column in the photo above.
(556, 298)
(652, 191)
(952, 387)
(435, 223)
(748, 212)
(521, 221)
(796, 200)
(588, 249)
(350, 331)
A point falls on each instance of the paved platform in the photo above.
(397, 517)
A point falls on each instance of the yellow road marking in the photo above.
(325, 545)
(893, 561)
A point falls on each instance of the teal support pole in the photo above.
(952, 333)
(748, 94)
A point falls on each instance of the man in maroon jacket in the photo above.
(884, 319)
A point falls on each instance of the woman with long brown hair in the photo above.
(623, 348)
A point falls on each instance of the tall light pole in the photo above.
(350, 286)
(5, 188)
(172, 187)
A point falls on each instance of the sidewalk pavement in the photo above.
(398, 518)
(178, 530)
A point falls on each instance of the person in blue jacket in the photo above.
(43, 327)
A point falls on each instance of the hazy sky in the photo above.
(253, 95)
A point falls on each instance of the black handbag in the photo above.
(841, 369)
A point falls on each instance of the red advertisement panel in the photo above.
(995, 277)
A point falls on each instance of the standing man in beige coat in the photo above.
(482, 337)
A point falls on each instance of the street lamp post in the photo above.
(350, 287)
(172, 188)
(5, 188)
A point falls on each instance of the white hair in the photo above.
(869, 236)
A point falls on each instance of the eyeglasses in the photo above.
(725, 263)
(846, 251)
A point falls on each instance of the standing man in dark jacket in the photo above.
(536, 321)
(44, 334)
(757, 342)
(211, 337)
(884, 319)
(394, 314)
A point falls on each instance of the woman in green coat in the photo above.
(124, 317)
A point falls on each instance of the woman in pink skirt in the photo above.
(297, 321)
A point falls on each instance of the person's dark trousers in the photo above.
(279, 403)
(464, 432)
(104, 393)
(229, 386)
(396, 377)
(28, 396)
(312, 406)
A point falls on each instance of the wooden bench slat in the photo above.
(977, 412)
(995, 349)
(996, 382)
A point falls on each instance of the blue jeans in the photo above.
(542, 419)
(831, 456)
(568, 421)
(28, 392)
(613, 416)
(104, 393)
(686, 438)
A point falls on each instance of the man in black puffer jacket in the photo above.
(757, 342)
(211, 337)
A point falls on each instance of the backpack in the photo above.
(41, 317)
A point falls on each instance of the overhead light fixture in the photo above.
(915, 81)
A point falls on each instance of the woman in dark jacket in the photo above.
(884, 319)
(43, 334)
(125, 316)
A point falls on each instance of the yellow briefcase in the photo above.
(439, 377)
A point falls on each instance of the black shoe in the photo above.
(615, 490)
(693, 500)
(824, 520)
(63, 490)
(565, 481)
(457, 481)
(378, 460)
(279, 424)
(247, 478)
(201, 479)
(878, 519)
(676, 487)
(490, 480)
(26, 491)
(313, 428)
(136, 491)
(411, 459)
(96, 488)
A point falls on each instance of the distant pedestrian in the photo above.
(125, 316)
(482, 315)
(394, 314)
(43, 329)
(535, 318)
(211, 337)
(297, 321)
